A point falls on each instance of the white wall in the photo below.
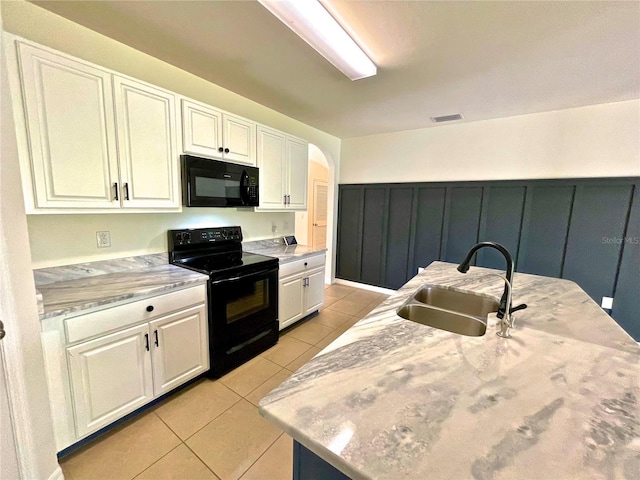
(64, 239)
(67, 239)
(593, 141)
(22, 359)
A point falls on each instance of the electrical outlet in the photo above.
(274, 227)
(103, 239)
(607, 302)
(285, 225)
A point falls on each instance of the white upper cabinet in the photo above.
(283, 161)
(71, 131)
(146, 122)
(298, 172)
(213, 133)
(84, 154)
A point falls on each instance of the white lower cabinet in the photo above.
(107, 364)
(110, 377)
(301, 289)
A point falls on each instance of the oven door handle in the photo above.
(248, 275)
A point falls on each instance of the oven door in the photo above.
(242, 305)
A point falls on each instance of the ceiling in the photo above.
(482, 59)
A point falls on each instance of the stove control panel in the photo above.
(197, 236)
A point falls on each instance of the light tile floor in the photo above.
(212, 429)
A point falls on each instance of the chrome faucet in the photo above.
(505, 309)
(506, 322)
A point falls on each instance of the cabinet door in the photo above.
(179, 348)
(239, 138)
(110, 377)
(291, 301)
(71, 130)
(314, 291)
(297, 173)
(146, 122)
(201, 129)
(271, 160)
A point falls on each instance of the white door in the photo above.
(201, 130)
(290, 301)
(314, 291)
(71, 131)
(298, 168)
(239, 140)
(146, 122)
(271, 161)
(179, 348)
(9, 463)
(110, 377)
(319, 215)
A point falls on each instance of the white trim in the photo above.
(57, 474)
(364, 286)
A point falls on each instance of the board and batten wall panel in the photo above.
(428, 230)
(462, 219)
(500, 222)
(626, 305)
(599, 212)
(580, 229)
(373, 229)
(545, 225)
(349, 247)
(399, 235)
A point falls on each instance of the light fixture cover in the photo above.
(315, 25)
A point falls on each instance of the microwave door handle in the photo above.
(244, 187)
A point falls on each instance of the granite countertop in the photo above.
(393, 399)
(74, 288)
(280, 250)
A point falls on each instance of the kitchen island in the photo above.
(393, 399)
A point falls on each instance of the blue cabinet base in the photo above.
(308, 466)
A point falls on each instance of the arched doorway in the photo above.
(315, 226)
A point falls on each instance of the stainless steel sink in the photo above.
(460, 302)
(456, 312)
(444, 320)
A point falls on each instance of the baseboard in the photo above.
(57, 474)
(364, 286)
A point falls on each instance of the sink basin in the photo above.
(444, 320)
(456, 312)
(459, 302)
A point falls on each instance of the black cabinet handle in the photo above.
(220, 149)
(115, 188)
(226, 150)
(155, 333)
(146, 341)
(305, 264)
(150, 308)
(126, 191)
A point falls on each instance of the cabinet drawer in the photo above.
(97, 323)
(300, 266)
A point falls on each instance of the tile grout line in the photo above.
(261, 455)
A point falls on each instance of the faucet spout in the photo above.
(505, 301)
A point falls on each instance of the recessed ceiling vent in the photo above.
(447, 118)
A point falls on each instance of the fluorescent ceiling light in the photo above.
(315, 25)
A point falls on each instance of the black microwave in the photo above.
(211, 183)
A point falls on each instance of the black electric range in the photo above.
(242, 293)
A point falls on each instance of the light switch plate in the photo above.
(607, 302)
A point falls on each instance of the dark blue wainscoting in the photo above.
(585, 230)
(308, 466)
